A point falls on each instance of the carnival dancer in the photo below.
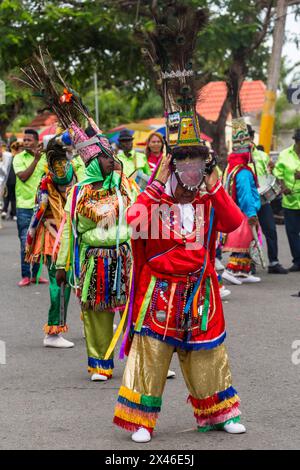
(166, 316)
(264, 166)
(41, 246)
(174, 302)
(241, 183)
(94, 250)
(96, 223)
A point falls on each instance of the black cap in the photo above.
(125, 134)
(32, 132)
(296, 135)
(250, 130)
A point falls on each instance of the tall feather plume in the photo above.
(41, 74)
(169, 49)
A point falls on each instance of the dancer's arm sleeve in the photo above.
(244, 189)
(228, 216)
(140, 211)
(62, 256)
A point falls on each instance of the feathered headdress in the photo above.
(169, 49)
(42, 76)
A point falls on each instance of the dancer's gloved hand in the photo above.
(211, 179)
(211, 163)
(61, 277)
(164, 169)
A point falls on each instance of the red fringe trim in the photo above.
(129, 426)
(218, 413)
(205, 402)
(55, 329)
(239, 267)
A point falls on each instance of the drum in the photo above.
(268, 189)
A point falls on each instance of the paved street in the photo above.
(48, 402)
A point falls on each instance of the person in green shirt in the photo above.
(287, 171)
(135, 164)
(29, 167)
(263, 167)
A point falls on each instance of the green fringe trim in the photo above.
(151, 401)
(219, 425)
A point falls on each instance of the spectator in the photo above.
(287, 171)
(131, 159)
(29, 166)
(154, 149)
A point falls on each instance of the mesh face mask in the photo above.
(62, 171)
(190, 172)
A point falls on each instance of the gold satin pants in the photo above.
(206, 373)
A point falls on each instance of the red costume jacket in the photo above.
(176, 296)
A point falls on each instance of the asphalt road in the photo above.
(48, 402)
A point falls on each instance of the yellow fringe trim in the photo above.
(81, 316)
(220, 406)
(132, 396)
(97, 370)
(149, 423)
(55, 329)
(239, 260)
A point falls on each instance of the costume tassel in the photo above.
(145, 303)
(202, 273)
(87, 279)
(130, 310)
(120, 326)
(204, 321)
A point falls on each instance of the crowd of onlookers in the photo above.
(22, 165)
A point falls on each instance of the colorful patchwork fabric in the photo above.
(215, 411)
(239, 263)
(134, 410)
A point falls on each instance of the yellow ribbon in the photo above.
(121, 324)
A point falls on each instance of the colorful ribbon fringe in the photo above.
(101, 366)
(217, 409)
(134, 410)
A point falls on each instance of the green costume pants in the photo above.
(54, 325)
(98, 328)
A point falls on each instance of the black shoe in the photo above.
(294, 268)
(277, 269)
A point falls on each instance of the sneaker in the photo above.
(234, 428)
(24, 282)
(98, 378)
(277, 269)
(42, 280)
(171, 374)
(3, 215)
(14, 218)
(141, 435)
(57, 341)
(294, 268)
(224, 292)
(218, 265)
(231, 278)
(250, 279)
